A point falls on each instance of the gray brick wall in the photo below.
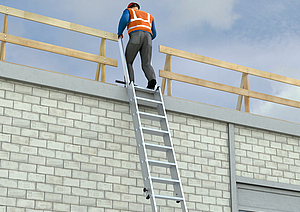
(64, 151)
(267, 156)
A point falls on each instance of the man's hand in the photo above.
(120, 36)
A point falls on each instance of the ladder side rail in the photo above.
(145, 167)
(161, 111)
(137, 127)
(171, 155)
(164, 124)
(124, 64)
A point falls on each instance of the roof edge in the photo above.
(110, 91)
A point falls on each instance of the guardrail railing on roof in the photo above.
(243, 91)
(101, 59)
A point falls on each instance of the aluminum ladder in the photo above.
(153, 100)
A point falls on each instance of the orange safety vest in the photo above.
(139, 20)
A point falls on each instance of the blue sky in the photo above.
(259, 34)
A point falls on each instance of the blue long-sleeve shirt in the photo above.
(124, 21)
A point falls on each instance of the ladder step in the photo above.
(161, 163)
(168, 197)
(158, 147)
(164, 180)
(147, 90)
(154, 131)
(152, 117)
(148, 102)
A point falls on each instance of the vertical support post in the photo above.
(3, 43)
(233, 186)
(245, 85)
(240, 98)
(246, 98)
(101, 66)
(168, 67)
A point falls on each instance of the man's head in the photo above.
(134, 5)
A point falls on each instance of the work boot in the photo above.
(151, 84)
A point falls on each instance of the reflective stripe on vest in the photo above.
(139, 23)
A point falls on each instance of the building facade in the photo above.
(67, 144)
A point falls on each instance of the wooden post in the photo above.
(3, 43)
(164, 80)
(245, 85)
(168, 67)
(246, 98)
(99, 65)
(240, 98)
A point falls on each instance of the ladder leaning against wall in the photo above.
(139, 97)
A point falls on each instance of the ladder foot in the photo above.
(145, 190)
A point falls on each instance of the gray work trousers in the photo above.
(140, 41)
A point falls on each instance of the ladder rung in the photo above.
(168, 197)
(154, 131)
(150, 116)
(158, 147)
(161, 163)
(147, 90)
(148, 102)
(164, 180)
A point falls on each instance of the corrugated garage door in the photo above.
(252, 198)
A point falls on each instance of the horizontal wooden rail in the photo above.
(227, 88)
(227, 65)
(57, 23)
(58, 50)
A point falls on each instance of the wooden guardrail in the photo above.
(243, 91)
(101, 59)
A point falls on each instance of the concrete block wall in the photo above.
(51, 149)
(201, 147)
(62, 151)
(65, 150)
(267, 155)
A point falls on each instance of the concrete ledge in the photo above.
(268, 184)
(232, 116)
(61, 81)
(93, 88)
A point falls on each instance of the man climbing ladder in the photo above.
(141, 27)
(141, 30)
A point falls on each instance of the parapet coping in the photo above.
(105, 90)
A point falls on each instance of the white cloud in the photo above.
(218, 14)
(99, 14)
(277, 110)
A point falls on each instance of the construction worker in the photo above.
(141, 30)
